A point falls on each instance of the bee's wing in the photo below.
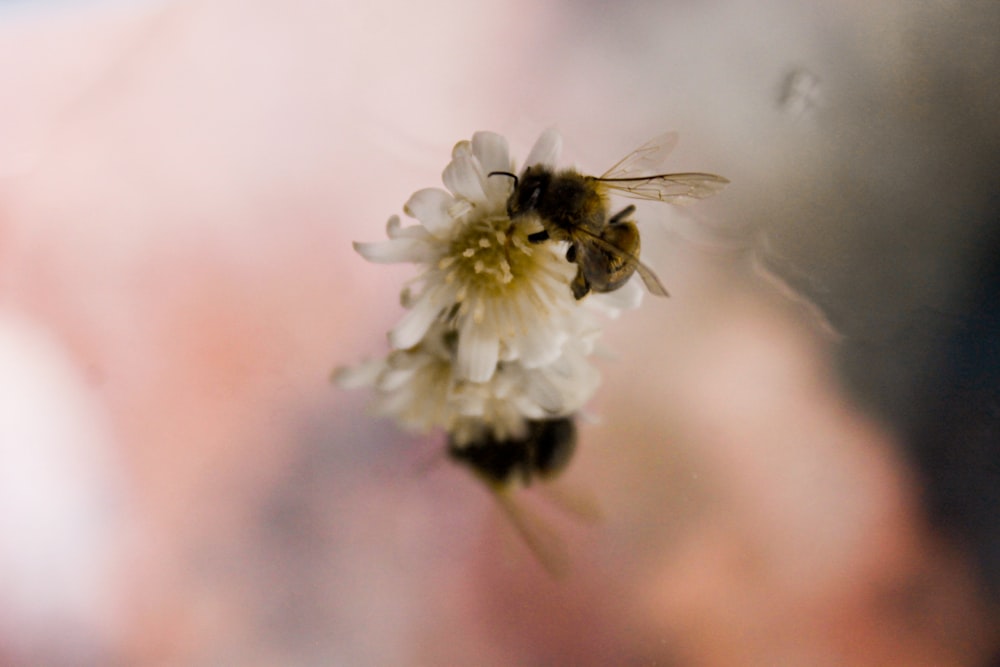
(575, 502)
(645, 159)
(635, 175)
(668, 187)
(653, 283)
(537, 534)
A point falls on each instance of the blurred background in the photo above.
(795, 455)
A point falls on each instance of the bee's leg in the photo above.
(620, 215)
(538, 237)
(580, 285)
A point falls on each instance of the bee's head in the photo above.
(531, 188)
(528, 189)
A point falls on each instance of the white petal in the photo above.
(363, 375)
(544, 393)
(469, 405)
(627, 297)
(462, 177)
(505, 383)
(531, 410)
(478, 349)
(631, 293)
(546, 150)
(415, 323)
(394, 379)
(491, 151)
(462, 149)
(578, 384)
(430, 207)
(395, 404)
(493, 155)
(540, 345)
(587, 339)
(558, 393)
(394, 230)
(397, 250)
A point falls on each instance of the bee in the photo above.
(573, 207)
(542, 453)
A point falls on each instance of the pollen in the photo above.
(489, 256)
(505, 275)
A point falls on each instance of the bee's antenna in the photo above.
(504, 173)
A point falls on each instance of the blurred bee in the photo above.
(542, 454)
(573, 207)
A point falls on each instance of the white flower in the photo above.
(417, 387)
(493, 339)
(507, 299)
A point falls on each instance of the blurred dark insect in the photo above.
(506, 465)
(543, 452)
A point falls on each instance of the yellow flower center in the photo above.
(489, 256)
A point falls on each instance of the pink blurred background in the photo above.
(180, 483)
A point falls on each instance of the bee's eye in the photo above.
(523, 201)
(533, 198)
